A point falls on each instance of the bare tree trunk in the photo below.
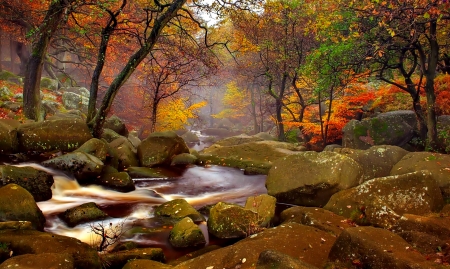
(11, 54)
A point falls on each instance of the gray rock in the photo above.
(116, 124)
(75, 101)
(48, 83)
(95, 147)
(183, 159)
(126, 153)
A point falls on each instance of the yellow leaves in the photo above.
(174, 115)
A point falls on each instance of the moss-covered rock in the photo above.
(190, 137)
(17, 204)
(159, 148)
(33, 242)
(237, 140)
(119, 181)
(40, 261)
(9, 142)
(145, 264)
(117, 260)
(144, 172)
(48, 83)
(116, 124)
(83, 213)
(186, 233)
(38, 183)
(183, 159)
(95, 147)
(16, 225)
(61, 134)
(178, 209)
(264, 206)
(382, 201)
(310, 178)
(126, 153)
(83, 166)
(271, 259)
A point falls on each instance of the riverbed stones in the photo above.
(310, 178)
(83, 213)
(95, 147)
(117, 260)
(382, 201)
(35, 242)
(126, 153)
(186, 233)
(119, 181)
(178, 209)
(40, 261)
(437, 164)
(270, 259)
(38, 183)
(9, 142)
(264, 206)
(60, 134)
(17, 204)
(83, 166)
(183, 159)
(190, 137)
(159, 148)
(144, 172)
(369, 247)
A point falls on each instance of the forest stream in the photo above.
(199, 186)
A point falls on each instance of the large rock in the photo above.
(178, 209)
(443, 130)
(190, 137)
(9, 142)
(264, 206)
(270, 259)
(61, 134)
(310, 178)
(145, 264)
(390, 128)
(237, 140)
(117, 260)
(159, 148)
(38, 183)
(83, 166)
(116, 124)
(306, 243)
(40, 261)
(75, 101)
(48, 83)
(18, 204)
(33, 242)
(369, 247)
(382, 201)
(119, 181)
(437, 164)
(95, 147)
(83, 213)
(377, 161)
(234, 221)
(126, 153)
(186, 233)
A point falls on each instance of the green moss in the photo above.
(360, 130)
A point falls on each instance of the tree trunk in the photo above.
(11, 54)
(96, 123)
(31, 88)
(1, 54)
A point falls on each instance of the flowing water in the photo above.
(200, 186)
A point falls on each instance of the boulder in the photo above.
(109, 135)
(437, 164)
(34, 242)
(40, 261)
(16, 225)
(117, 125)
(72, 100)
(145, 264)
(17, 204)
(382, 201)
(390, 128)
(134, 139)
(94, 147)
(310, 178)
(425, 243)
(38, 183)
(316, 217)
(237, 140)
(270, 259)
(83, 213)
(119, 181)
(5, 93)
(9, 142)
(78, 90)
(50, 106)
(183, 159)
(186, 233)
(190, 137)
(83, 166)
(436, 226)
(178, 209)
(266, 136)
(70, 114)
(159, 148)
(443, 131)
(117, 260)
(144, 172)
(306, 243)
(377, 161)
(234, 221)
(48, 83)
(61, 134)
(126, 153)
(264, 206)
(369, 247)
(219, 132)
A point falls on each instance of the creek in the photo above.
(199, 186)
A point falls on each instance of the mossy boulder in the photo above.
(109, 135)
(190, 137)
(310, 178)
(116, 124)
(34, 242)
(382, 201)
(234, 221)
(237, 140)
(119, 181)
(40, 261)
(264, 206)
(83, 213)
(83, 166)
(183, 159)
(9, 142)
(219, 132)
(391, 128)
(271, 259)
(72, 100)
(94, 147)
(38, 183)
(437, 164)
(145, 264)
(144, 172)
(159, 148)
(371, 247)
(117, 260)
(48, 83)
(126, 153)
(17, 204)
(16, 225)
(61, 134)
(186, 233)
(178, 209)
